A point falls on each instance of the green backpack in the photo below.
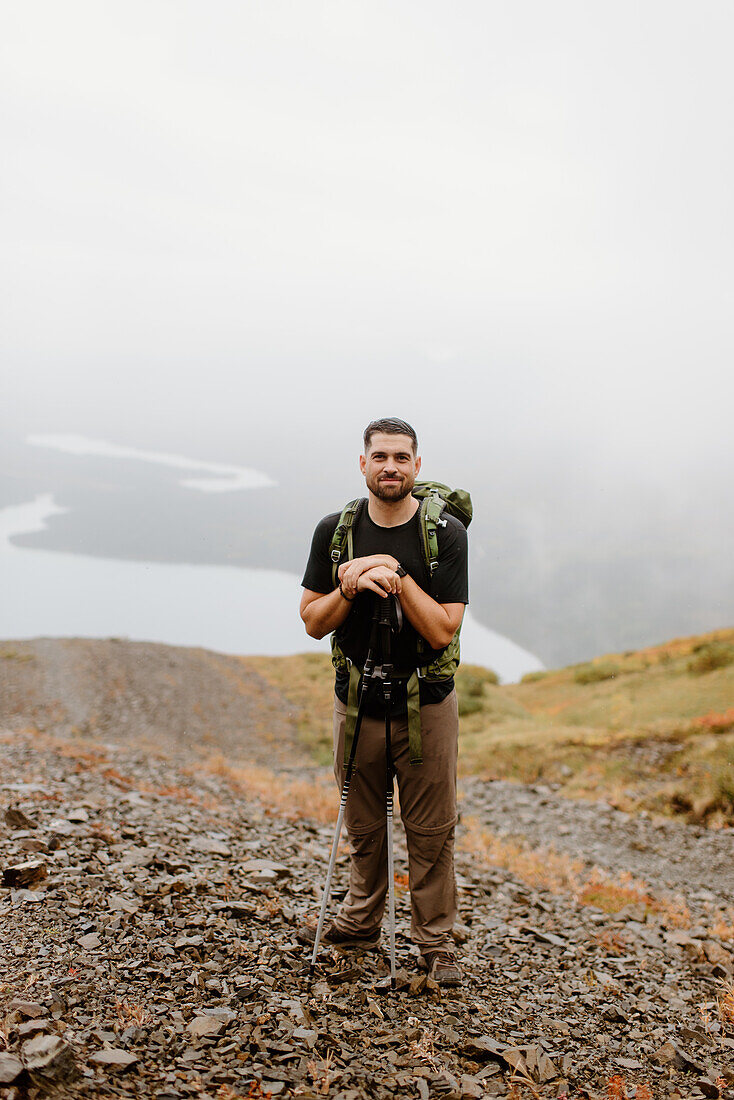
(436, 498)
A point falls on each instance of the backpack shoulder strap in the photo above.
(431, 512)
(342, 537)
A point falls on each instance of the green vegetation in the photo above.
(14, 655)
(710, 656)
(595, 673)
(644, 731)
(471, 681)
(307, 682)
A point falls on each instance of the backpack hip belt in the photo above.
(441, 669)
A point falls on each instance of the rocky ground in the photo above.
(148, 914)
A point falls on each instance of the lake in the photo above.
(225, 608)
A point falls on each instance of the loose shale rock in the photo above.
(159, 958)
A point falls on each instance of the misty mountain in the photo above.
(564, 569)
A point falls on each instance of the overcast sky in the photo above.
(223, 217)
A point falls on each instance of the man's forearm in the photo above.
(322, 614)
(432, 621)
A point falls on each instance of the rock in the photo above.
(715, 953)
(114, 1059)
(306, 1035)
(237, 909)
(514, 1058)
(17, 819)
(188, 941)
(120, 904)
(471, 1088)
(10, 1068)
(26, 1008)
(266, 868)
(48, 1057)
(671, 1055)
(90, 941)
(615, 1014)
(205, 1025)
(226, 1015)
(137, 857)
(61, 827)
(460, 933)
(538, 1064)
(210, 846)
(547, 937)
(445, 1084)
(34, 844)
(25, 874)
(708, 1088)
(27, 897)
(340, 977)
(30, 1027)
(483, 1048)
(78, 814)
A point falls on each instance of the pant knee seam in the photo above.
(430, 830)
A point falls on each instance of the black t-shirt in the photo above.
(449, 585)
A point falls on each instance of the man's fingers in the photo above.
(385, 577)
(373, 586)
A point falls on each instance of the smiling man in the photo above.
(388, 557)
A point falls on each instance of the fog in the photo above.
(236, 233)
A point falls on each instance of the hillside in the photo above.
(647, 730)
(155, 866)
(124, 690)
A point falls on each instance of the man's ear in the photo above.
(362, 462)
(418, 464)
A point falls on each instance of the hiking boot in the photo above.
(443, 967)
(332, 937)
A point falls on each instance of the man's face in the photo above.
(390, 467)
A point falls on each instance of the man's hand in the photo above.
(349, 572)
(380, 579)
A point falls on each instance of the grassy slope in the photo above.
(642, 730)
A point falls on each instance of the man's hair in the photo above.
(391, 426)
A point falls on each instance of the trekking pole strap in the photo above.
(352, 707)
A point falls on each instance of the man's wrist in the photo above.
(349, 599)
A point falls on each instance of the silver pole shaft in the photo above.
(329, 874)
(391, 888)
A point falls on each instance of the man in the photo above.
(388, 559)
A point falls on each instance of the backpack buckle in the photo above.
(432, 566)
(335, 555)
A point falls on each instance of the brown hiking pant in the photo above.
(428, 811)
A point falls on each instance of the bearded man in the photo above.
(388, 559)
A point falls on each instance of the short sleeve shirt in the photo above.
(448, 585)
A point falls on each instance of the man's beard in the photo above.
(391, 492)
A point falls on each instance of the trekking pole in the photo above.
(369, 669)
(390, 612)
